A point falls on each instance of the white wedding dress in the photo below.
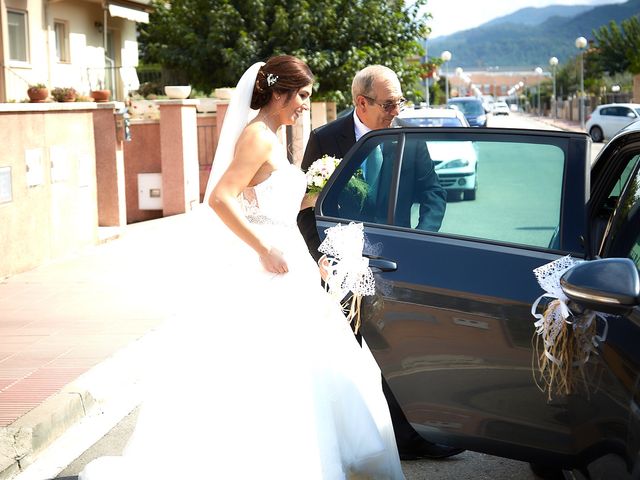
(269, 381)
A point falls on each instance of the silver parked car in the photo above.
(607, 120)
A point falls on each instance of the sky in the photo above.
(449, 16)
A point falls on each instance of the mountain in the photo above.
(536, 16)
(515, 40)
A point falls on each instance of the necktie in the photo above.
(373, 165)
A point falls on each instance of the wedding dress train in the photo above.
(267, 381)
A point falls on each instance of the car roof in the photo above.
(464, 99)
(430, 113)
(630, 105)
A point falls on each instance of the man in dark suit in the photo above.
(377, 99)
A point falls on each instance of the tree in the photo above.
(211, 42)
(618, 49)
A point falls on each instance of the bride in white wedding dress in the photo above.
(269, 381)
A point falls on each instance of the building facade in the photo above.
(84, 44)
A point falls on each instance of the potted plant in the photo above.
(38, 93)
(64, 94)
(101, 94)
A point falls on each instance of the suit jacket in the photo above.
(418, 181)
(336, 139)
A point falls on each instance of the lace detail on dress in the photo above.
(276, 200)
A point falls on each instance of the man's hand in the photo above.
(309, 200)
(324, 265)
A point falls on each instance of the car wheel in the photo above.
(471, 194)
(596, 134)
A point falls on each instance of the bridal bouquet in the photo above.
(319, 172)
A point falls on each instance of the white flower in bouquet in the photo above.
(320, 171)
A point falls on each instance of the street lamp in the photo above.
(538, 71)
(553, 62)
(446, 56)
(581, 44)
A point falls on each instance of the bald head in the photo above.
(372, 87)
(365, 80)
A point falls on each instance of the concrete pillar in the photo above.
(332, 112)
(318, 114)
(221, 110)
(300, 135)
(179, 156)
(112, 205)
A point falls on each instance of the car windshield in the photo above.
(469, 108)
(637, 110)
(430, 122)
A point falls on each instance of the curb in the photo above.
(117, 379)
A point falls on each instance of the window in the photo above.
(60, 31)
(18, 35)
(624, 235)
(502, 191)
(364, 193)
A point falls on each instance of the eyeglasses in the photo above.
(389, 106)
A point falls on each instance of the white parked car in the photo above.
(456, 164)
(607, 120)
(431, 117)
(500, 108)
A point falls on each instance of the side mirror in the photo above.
(610, 285)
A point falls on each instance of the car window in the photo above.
(429, 122)
(606, 111)
(496, 191)
(637, 111)
(623, 238)
(469, 108)
(357, 195)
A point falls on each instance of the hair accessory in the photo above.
(271, 79)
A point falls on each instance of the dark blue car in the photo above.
(471, 108)
(451, 325)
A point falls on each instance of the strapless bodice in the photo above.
(276, 200)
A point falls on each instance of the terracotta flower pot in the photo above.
(37, 94)
(101, 95)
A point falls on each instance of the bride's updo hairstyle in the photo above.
(284, 75)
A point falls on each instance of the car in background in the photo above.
(471, 108)
(607, 120)
(455, 163)
(500, 108)
(451, 323)
(430, 117)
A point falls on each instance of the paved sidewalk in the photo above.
(61, 320)
(568, 125)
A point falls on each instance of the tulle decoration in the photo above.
(563, 340)
(348, 270)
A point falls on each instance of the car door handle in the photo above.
(382, 264)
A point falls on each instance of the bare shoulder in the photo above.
(257, 140)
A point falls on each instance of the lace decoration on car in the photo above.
(348, 270)
(567, 338)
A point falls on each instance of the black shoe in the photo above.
(431, 451)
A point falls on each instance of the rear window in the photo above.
(469, 108)
(429, 122)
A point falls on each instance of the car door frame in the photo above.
(621, 356)
(572, 231)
